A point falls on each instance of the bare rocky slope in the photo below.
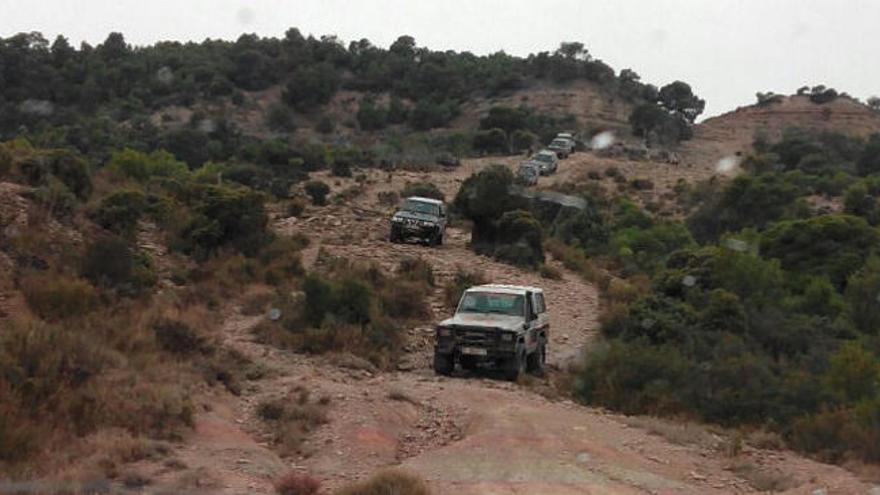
(733, 132)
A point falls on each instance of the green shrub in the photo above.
(370, 116)
(226, 217)
(56, 297)
(491, 141)
(834, 246)
(423, 189)
(112, 262)
(522, 140)
(318, 191)
(520, 239)
(348, 300)
(142, 166)
(120, 211)
(279, 118)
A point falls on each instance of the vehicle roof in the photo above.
(564, 135)
(546, 152)
(504, 289)
(425, 200)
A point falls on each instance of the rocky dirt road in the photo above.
(464, 434)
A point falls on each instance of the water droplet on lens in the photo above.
(274, 314)
(689, 280)
(727, 164)
(647, 323)
(737, 245)
(165, 75)
(602, 140)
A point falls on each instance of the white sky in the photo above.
(726, 49)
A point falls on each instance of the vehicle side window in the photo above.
(539, 303)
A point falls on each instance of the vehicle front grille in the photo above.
(475, 337)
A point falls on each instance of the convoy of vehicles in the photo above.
(504, 326)
(546, 161)
(420, 218)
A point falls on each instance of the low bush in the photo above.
(461, 281)
(293, 418)
(416, 270)
(390, 482)
(423, 189)
(55, 297)
(296, 207)
(550, 272)
(113, 263)
(318, 191)
(297, 484)
(120, 211)
(388, 198)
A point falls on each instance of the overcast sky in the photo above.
(726, 49)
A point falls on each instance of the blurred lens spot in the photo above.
(602, 140)
(42, 108)
(207, 126)
(689, 280)
(647, 323)
(165, 75)
(737, 245)
(727, 164)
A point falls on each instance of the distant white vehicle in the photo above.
(562, 146)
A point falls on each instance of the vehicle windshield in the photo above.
(543, 157)
(559, 142)
(417, 206)
(527, 171)
(492, 302)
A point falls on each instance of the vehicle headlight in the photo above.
(506, 337)
(444, 332)
(396, 219)
(425, 223)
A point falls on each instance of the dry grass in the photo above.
(53, 296)
(401, 395)
(389, 482)
(684, 433)
(292, 418)
(762, 480)
(550, 272)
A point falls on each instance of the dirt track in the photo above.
(469, 435)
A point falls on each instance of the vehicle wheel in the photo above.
(393, 237)
(440, 239)
(444, 364)
(536, 360)
(515, 366)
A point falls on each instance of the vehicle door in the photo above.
(542, 322)
(532, 322)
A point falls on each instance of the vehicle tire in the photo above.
(535, 361)
(393, 237)
(444, 364)
(515, 366)
(440, 239)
